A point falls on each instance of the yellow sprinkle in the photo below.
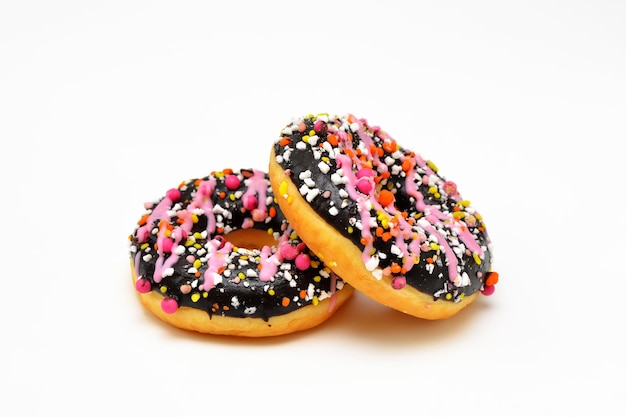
(195, 297)
(477, 259)
(197, 235)
(325, 159)
(168, 233)
(197, 264)
(434, 246)
(290, 199)
(464, 203)
(432, 165)
(458, 214)
(305, 138)
(219, 174)
(197, 246)
(315, 264)
(437, 195)
(241, 275)
(448, 296)
(163, 289)
(271, 291)
(293, 236)
(316, 301)
(462, 296)
(317, 278)
(194, 218)
(350, 229)
(282, 189)
(270, 231)
(205, 294)
(190, 242)
(232, 197)
(312, 132)
(243, 257)
(145, 245)
(432, 190)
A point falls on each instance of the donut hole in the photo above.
(250, 238)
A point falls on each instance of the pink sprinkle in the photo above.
(398, 283)
(449, 187)
(143, 234)
(303, 262)
(173, 194)
(232, 182)
(320, 127)
(289, 252)
(488, 290)
(258, 215)
(166, 245)
(364, 185)
(365, 172)
(143, 285)
(250, 202)
(169, 305)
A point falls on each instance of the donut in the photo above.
(216, 255)
(380, 216)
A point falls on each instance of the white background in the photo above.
(105, 105)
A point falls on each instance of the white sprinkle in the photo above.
(317, 153)
(312, 194)
(250, 310)
(396, 250)
(235, 302)
(372, 263)
(337, 179)
(147, 258)
(304, 189)
(287, 131)
(354, 126)
(251, 273)
(305, 174)
(180, 249)
(301, 146)
(323, 166)
(168, 272)
(333, 211)
(309, 182)
(313, 140)
(378, 274)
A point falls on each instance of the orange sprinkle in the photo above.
(197, 274)
(302, 294)
(351, 118)
(492, 278)
(366, 241)
(379, 231)
(222, 195)
(349, 152)
(380, 152)
(272, 212)
(220, 230)
(332, 139)
(395, 268)
(285, 301)
(386, 198)
(180, 221)
(430, 260)
(226, 308)
(406, 165)
(228, 171)
(285, 141)
(143, 220)
(197, 182)
(387, 236)
(390, 146)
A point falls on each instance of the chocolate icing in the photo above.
(439, 216)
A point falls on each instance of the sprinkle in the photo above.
(232, 182)
(169, 305)
(386, 198)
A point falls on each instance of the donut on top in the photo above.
(381, 216)
(216, 255)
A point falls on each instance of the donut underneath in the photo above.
(216, 255)
(380, 216)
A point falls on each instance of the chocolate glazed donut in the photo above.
(391, 225)
(216, 255)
